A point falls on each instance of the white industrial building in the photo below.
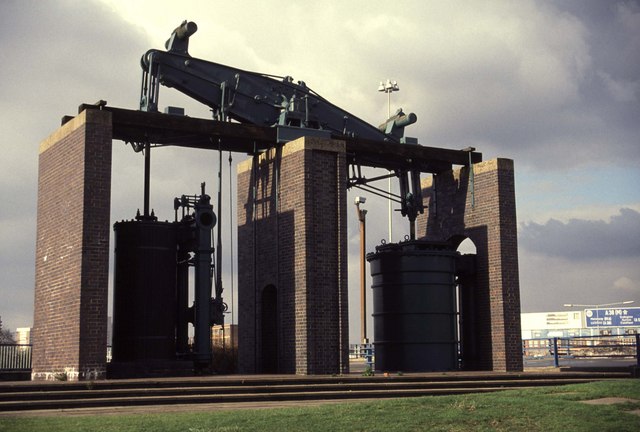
(588, 322)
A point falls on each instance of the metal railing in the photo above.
(364, 351)
(15, 357)
(583, 347)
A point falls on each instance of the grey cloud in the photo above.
(463, 70)
(541, 83)
(547, 282)
(579, 239)
(56, 55)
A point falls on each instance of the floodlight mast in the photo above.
(362, 216)
(389, 87)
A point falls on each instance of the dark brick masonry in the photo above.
(490, 222)
(292, 261)
(292, 264)
(72, 250)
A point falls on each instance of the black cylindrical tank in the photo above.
(144, 297)
(414, 307)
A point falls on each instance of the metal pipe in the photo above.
(186, 29)
(363, 299)
(231, 252)
(219, 289)
(205, 221)
(147, 176)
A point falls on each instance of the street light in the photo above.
(389, 87)
(363, 300)
(597, 307)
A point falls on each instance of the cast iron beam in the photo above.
(165, 129)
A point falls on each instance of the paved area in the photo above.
(163, 409)
(609, 401)
(532, 364)
(614, 400)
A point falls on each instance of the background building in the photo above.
(588, 322)
(23, 335)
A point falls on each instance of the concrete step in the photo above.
(279, 388)
(39, 396)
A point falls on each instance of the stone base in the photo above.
(150, 369)
(70, 374)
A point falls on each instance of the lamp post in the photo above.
(363, 300)
(389, 87)
(597, 307)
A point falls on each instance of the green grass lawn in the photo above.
(541, 409)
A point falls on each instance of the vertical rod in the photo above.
(231, 252)
(389, 204)
(218, 290)
(556, 360)
(147, 176)
(638, 349)
(390, 209)
(363, 296)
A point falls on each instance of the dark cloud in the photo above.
(547, 283)
(551, 84)
(55, 56)
(578, 239)
(63, 50)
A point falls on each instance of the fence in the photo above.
(582, 347)
(14, 357)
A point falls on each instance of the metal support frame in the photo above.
(362, 214)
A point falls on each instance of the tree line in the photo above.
(5, 335)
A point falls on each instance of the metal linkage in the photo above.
(250, 97)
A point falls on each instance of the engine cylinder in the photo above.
(414, 307)
(144, 305)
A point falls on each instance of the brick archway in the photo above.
(483, 209)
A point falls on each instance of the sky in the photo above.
(553, 85)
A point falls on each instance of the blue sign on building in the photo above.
(612, 317)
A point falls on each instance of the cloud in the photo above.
(548, 282)
(626, 284)
(553, 85)
(56, 55)
(580, 239)
(621, 90)
(543, 83)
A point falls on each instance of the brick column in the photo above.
(72, 250)
(292, 260)
(485, 213)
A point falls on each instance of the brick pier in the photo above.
(72, 250)
(485, 212)
(292, 262)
